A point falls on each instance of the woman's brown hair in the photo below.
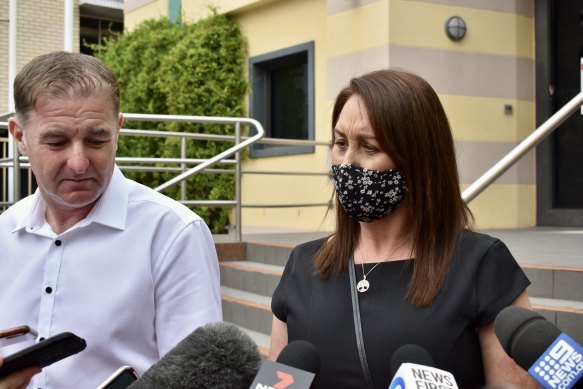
(411, 126)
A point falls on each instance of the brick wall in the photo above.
(39, 30)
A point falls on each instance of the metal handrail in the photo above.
(522, 148)
(16, 162)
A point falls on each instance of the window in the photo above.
(282, 98)
(94, 30)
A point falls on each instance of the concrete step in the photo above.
(557, 282)
(254, 277)
(262, 340)
(566, 315)
(248, 310)
(268, 253)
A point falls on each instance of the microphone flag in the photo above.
(275, 375)
(413, 376)
(561, 365)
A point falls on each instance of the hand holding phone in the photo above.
(44, 353)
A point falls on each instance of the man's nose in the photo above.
(78, 161)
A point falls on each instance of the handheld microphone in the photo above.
(550, 356)
(216, 355)
(414, 370)
(295, 368)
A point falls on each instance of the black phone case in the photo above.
(43, 353)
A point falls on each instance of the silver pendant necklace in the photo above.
(364, 284)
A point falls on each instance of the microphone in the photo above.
(295, 368)
(550, 356)
(216, 355)
(414, 370)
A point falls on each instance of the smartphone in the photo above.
(43, 353)
(121, 379)
(18, 334)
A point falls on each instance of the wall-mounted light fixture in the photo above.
(455, 28)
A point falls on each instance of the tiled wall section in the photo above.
(39, 30)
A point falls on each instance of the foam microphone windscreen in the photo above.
(410, 353)
(302, 355)
(217, 355)
(524, 334)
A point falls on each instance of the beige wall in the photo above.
(40, 30)
(491, 67)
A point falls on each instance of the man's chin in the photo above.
(77, 200)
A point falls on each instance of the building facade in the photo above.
(518, 62)
(488, 82)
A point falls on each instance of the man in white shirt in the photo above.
(91, 252)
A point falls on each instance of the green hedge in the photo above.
(182, 69)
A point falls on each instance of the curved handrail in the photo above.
(203, 119)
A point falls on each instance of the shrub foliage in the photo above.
(174, 68)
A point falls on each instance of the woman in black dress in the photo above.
(419, 274)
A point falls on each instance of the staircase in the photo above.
(247, 284)
(250, 272)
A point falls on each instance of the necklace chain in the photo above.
(363, 285)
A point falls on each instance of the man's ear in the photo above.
(17, 132)
(119, 123)
(120, 120)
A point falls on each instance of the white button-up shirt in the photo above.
(133, 278)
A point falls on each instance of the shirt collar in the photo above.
(110, 210)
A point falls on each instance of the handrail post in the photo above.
(15, 172)
(238, 213)
(183, 166)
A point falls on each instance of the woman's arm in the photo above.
(499, 368)
(278, 338)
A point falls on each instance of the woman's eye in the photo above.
(370, 149)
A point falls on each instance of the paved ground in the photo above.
(539, 245)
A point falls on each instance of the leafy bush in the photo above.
(173, 68)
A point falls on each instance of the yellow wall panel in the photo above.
(483, 119)
(505, 206)
(154, 10)
(358, 29)
(422, 25)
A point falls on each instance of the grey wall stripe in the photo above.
(449, 72)
(519, 7)
(476, 157)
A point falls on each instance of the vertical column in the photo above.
(68, 27)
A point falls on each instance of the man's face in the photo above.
(71, 145)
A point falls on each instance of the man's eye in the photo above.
(55, 145)
(96, 142)
(339, 143)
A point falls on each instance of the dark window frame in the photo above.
(260, 68)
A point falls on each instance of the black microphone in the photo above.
(295, 368)
(410, 353)
(412, 367)
(216, 355)
(550, 356)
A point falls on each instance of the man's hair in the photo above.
(62, 75)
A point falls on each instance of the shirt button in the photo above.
(49, 290)
(57, 242)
